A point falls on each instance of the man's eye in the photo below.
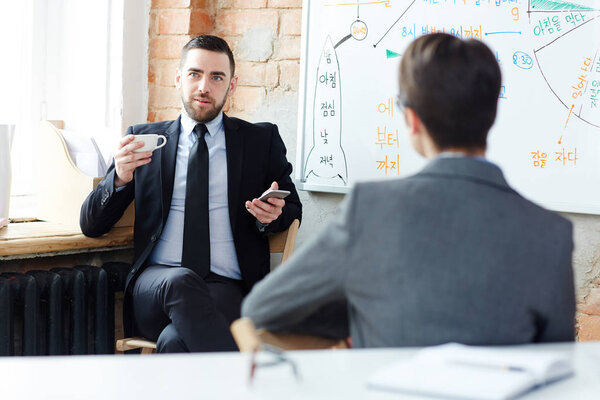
(194, 74)
(217, 78)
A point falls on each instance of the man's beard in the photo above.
(204, 115)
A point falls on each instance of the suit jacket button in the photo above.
(153, 238)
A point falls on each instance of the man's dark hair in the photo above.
(208, 42)
(453, 86)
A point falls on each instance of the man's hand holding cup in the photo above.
(127, 159)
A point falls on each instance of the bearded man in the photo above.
(200, 234)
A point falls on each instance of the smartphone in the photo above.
(278, 194)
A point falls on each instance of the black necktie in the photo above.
(196, 235)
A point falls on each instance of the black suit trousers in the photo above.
(182, 312)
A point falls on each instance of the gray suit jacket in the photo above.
(449, 254)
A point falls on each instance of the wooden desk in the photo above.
(33, 239)
(324, 375)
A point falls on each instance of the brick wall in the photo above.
(263, 34)
(588, 316)
(172, 24)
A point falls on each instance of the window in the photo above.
(68, 60)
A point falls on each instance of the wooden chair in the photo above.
(282, 242)
(248, 339)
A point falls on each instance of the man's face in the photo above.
(205, 81)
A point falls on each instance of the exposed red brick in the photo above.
(151, 116)
(589, 327)
(289, 74)
(202, 4)
(238, 22)
(248, 99)
(200, 23)
(289, 48)
(251, 74)
(224, 4)
(160, 97)
(165, 71)
(291, 22)
(167, 47)
(249, 4)
(153, 23)
(285, 3)
(272, 74)
(167, 115)
(170, 3)
(174, 22)
(151, 73)
(591, 304)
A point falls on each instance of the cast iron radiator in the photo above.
(61, 311)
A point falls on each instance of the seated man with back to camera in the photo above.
(200, 243)
(452, 253)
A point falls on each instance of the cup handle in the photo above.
(164, 141)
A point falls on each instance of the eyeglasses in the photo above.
(400, 104)
(277, 356)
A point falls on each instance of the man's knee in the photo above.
(180, 280)
(169, 341)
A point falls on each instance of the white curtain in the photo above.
(16, 86)
(61, 60)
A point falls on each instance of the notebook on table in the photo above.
(468, 372)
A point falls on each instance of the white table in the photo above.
(325, 374)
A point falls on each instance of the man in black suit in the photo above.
(200, 243)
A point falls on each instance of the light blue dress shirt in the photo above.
(223, 258)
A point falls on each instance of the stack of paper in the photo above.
(85, 153)
(467, 372)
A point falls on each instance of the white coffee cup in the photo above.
(150, 142)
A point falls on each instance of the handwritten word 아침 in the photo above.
(547, 25)
(328, 79)
(552, 25)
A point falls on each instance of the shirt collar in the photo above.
(188, 124)
(454, 154)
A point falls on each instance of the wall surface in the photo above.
(265, 38)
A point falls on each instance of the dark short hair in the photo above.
(453, 86)
(208, 42)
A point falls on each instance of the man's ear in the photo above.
(232, 85)
(178, 79)
(413, 122)
(415, 129)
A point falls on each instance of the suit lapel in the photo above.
(167, 164)
(234, 143)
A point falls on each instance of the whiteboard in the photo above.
(547, 133)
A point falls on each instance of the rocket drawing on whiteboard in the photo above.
(326, 158)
